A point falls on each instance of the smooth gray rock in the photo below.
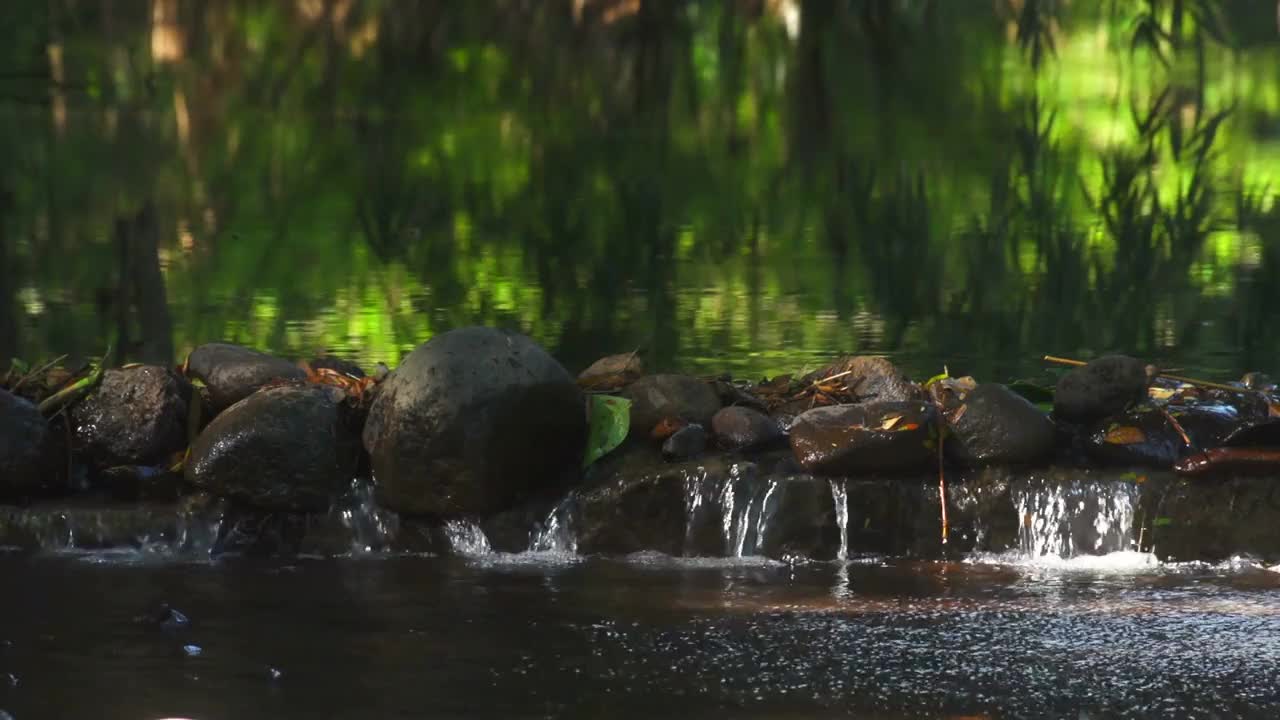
(655, 397)
(232, 372)
(997, 426)
(744, 428)
(473, 421)
(689, 441)
(1105, 386)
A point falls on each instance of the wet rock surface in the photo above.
(136, 416)
(994, 426)
(1105, 386)
(283, 448)
(23, 434)
(657, 397)
(687, 442)
(742, 428)
(873, 437)
(473, 421)
(1147, 435)
(232, 372)
(869, 379)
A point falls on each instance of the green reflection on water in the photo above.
(735, 186)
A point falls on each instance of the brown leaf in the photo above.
(1124, 435)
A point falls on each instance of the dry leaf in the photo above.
(1126, 435)
(889, 422)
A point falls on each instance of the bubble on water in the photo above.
(274, 673)
(11, 679)
(192, 650)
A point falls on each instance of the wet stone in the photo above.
(232, 372)
(994, 426)
(23, 434)
(1105, 386)
(658, 397)
(742, 428)
(871, 437)
(869, 379)
(689, 441)
(136, 416)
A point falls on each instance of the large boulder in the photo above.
(869, 437)
(658, 397)
(868, 379)
(1105, 386)
(471, 422)
(23, 433)
(136, 416)
(291, 447)
(231, 372)
(1146, 435)
(743, 428)
(996, 426)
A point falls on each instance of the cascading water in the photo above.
(466, 538)
(1065, 519)
(840, 498)
(372, 528)
(556, 534)
(747, 505)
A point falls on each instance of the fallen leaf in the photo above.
(1125, 435)
(889, 422)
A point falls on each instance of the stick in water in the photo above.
(1177, 378)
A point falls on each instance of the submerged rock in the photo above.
(472, 421)
(872, 437)
(869, 379)
(136, 416)
(1105, 386)
(658, 397)
(686, 442)
(23, 433)
(232, 372)
(995, 426)
(743, 428)
(284, 448)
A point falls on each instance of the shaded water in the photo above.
(642, 637)
(749, 186)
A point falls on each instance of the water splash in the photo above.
(466, 538)
(747, 505)
(556, 534)
(372, 528)
(1073, 518)
(696, 491)
(840, 497)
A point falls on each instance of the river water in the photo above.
(95, 635)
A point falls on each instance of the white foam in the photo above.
(1121, 561)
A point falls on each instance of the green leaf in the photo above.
(936, 378)
(19, 366)
(1163, 522)
(609, 420)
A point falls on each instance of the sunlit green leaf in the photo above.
(609, 420)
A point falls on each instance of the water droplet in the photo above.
(11, 679)
(274, 673)
(192, 650)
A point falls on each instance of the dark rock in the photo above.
(1262, 433)
(284, 448)
(612, 372)
(342, 365)
(23, 436)
(1103, 387)
(656, 397)
(232, 372)
(743, 428)
(731, 394)
(136, 416)
(687, 442)
(141, 482)
(1145, 436)
(473, 421)
(869, 379)
(871, 437)
(995, 426)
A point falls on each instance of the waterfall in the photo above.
(466, 538)
(696, 491)
(556, 534)
(747, 506)
(840, 497)
(1073, 518)
(372, 528)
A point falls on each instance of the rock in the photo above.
(870, 437)
(869, 379)
(471, 422)
(231, 372)
(284, 448)
(1258, 381)
(1105, 386)
(685, 443)
(1145, 436)
(656, 397)
(23, 434)
(612, 372)
(330, 362)
(996, 426)
(136, 416)
(743, 428)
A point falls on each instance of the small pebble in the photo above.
(192, 650)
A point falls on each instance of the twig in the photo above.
(73, 392)
(1177, 378)
(36, 372)
(1176, 425)
(942, 482)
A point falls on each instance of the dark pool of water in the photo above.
(648, 637)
